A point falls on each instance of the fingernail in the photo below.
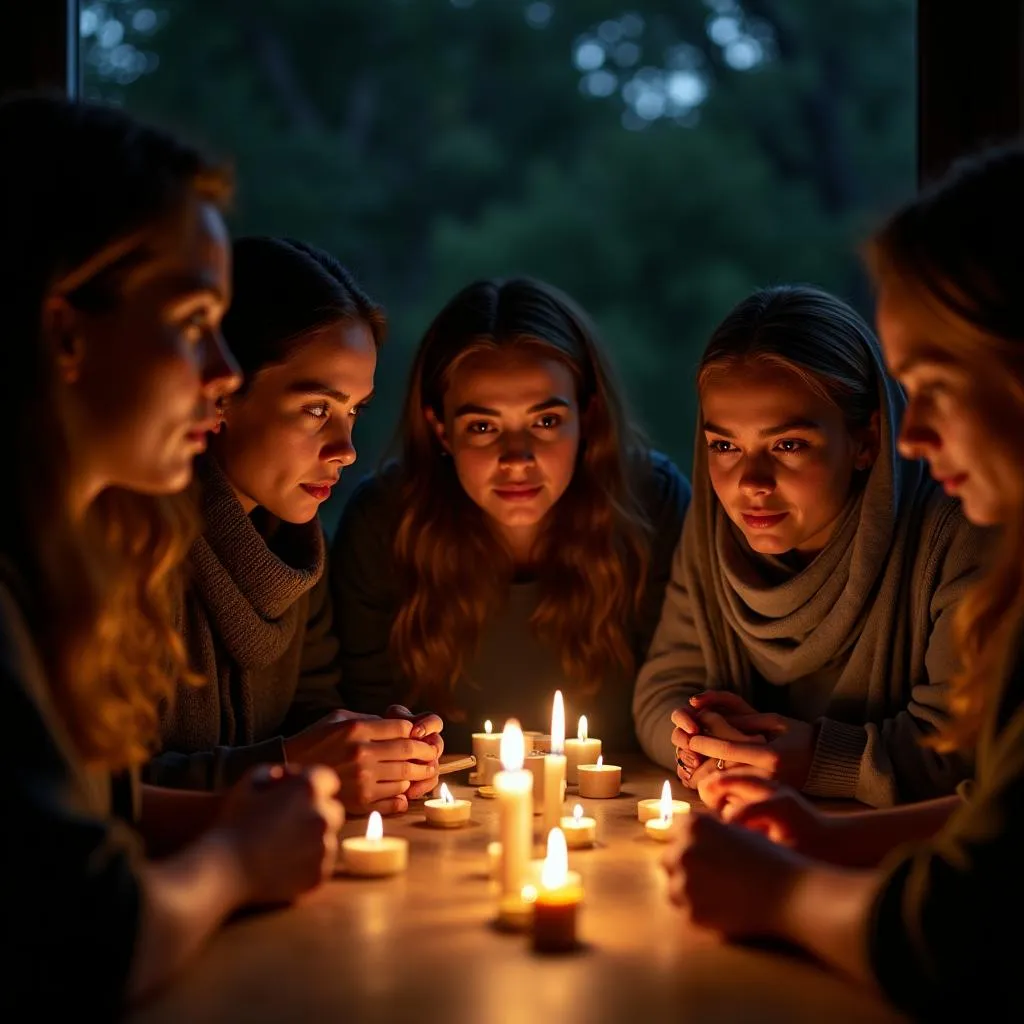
(418, 731)
(694, 701)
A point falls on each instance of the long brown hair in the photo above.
(454, 572)
(77, 183)
(953, 258)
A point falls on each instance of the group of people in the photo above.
(198, 687)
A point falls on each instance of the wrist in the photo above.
(223, 860)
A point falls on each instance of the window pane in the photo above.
(657, 160)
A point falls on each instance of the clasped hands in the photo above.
(383, 763)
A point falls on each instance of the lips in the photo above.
(517, 492)
(319, 491)
(951, 484)
(760, 520)
(198, 435)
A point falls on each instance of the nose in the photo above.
(918, 438)
(757, 477)
(220, 373)
(516, 449)
(340, 448)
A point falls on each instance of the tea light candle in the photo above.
(514, 787)
(375, 854)
(554, 767)
(558, 898)
(581, 750)
(579, 831)
(599, 781)
(485, 744)
(446, 811)
(648, 809)
(660, 828)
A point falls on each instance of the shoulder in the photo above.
(947, 538)
(664, 491)
(371, 512)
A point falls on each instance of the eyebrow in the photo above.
(468, 409)
(924, 354)
(781, 428)
(316, 387)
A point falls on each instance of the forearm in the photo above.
(184, 899)
(173, 818)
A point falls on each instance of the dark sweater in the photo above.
(71, 896)
(513, 674)
(257, 625)
(945, 935)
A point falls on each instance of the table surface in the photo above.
(422, 945)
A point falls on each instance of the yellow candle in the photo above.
(660, 828)
(580, 831)
(599, 781)
(485, 744)
(558, 898)
(554, 767)
(514, 788)
(582, 750)
(648, 809)
(375, 854)
(446, 811)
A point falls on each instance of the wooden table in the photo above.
(420, 947)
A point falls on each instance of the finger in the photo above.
(738, 790)
(714, 724)
(400, 750)
(409, 771)
(702, 775)
(756, 754)
(722, 700)
(378, 729)
(435, 740)
(427, 725)
(418, 790)
(684, 719)
(392, 805)
(333, 814)
(324, 781)
(770, 722)
(397, 711)
(263, 776)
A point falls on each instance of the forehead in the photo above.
(756, 396)
(343, 356)
(509, 379)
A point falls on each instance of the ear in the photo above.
(438, 428)
(61, 329)
(869, 442)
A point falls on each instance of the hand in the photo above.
(426, 726)
(728, 879)
(377, 761)
(282, 824)
(713, 724)
(688, 722)
(787, 755)
(686, 725)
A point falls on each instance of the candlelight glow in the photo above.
(555, 871)
(557, 724)
(600, 760)
(528, 894)
(577, 813)
(666, 802)
(487, 727)
(581, 729)
(446, 794)
(513, 746)
(375, 826)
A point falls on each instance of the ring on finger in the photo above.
(721, 764)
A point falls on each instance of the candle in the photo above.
(491, 766)
(515, 912)
(485, 744)
(660, 828)
(554, 767)
(581, 750)
(537, 742)
(579, 831)
(534, 764)
(446, 811)
(514, 787)
(558, 898)
(599, 781)
(648, 809)
(375, 854)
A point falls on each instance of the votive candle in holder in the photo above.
(661, 828)
(557, 901)
(486, 770)
(579, 830)
(375, 854)
(582, 750)
(514, 787)
(554, 767)
(652, 808)
(485, 743)
(599, 781)
(445, 811)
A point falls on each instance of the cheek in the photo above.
(558, 459)
(474, 466)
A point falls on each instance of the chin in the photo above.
(767, 545)
(297, 512)
(979, 511)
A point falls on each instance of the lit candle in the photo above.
(485, 743)
(514, 788)
(554, 767)
(375, 854)
(558, 898)
(648, 809)
(534, 764)
(599, 781)
(660, 828)
(537, 742)
(446, 811)
(579, 830)
(491, 766)
(581, 750)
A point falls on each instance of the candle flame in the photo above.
(528, 894)
(666, 803)
(581, 729)
(375, 826)
(446, 794)
(557, 724)
(487, 727)
(600, 760)
(556, 864)
(513, 746)
(577, 813)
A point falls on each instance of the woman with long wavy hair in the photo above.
(114, 274)
(522, 541)
(920, 927)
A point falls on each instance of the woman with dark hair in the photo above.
(922, 928)
(522, 542)
(812, 593)
(257, 617)
(114, 274)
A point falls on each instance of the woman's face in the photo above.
(950, 416)
(287, 438)
(780, 456)
(141, 380)
(512, 427)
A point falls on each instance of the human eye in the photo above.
(479, 427)
(549, 421)
(319, 412)
(358, 410)
(195, 326)
(790, 446)
(719, 447)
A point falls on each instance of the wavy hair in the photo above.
(595, 544)
(79, 185)
(952, 256)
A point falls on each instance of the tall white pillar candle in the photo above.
(514, 787)
(554, 767)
